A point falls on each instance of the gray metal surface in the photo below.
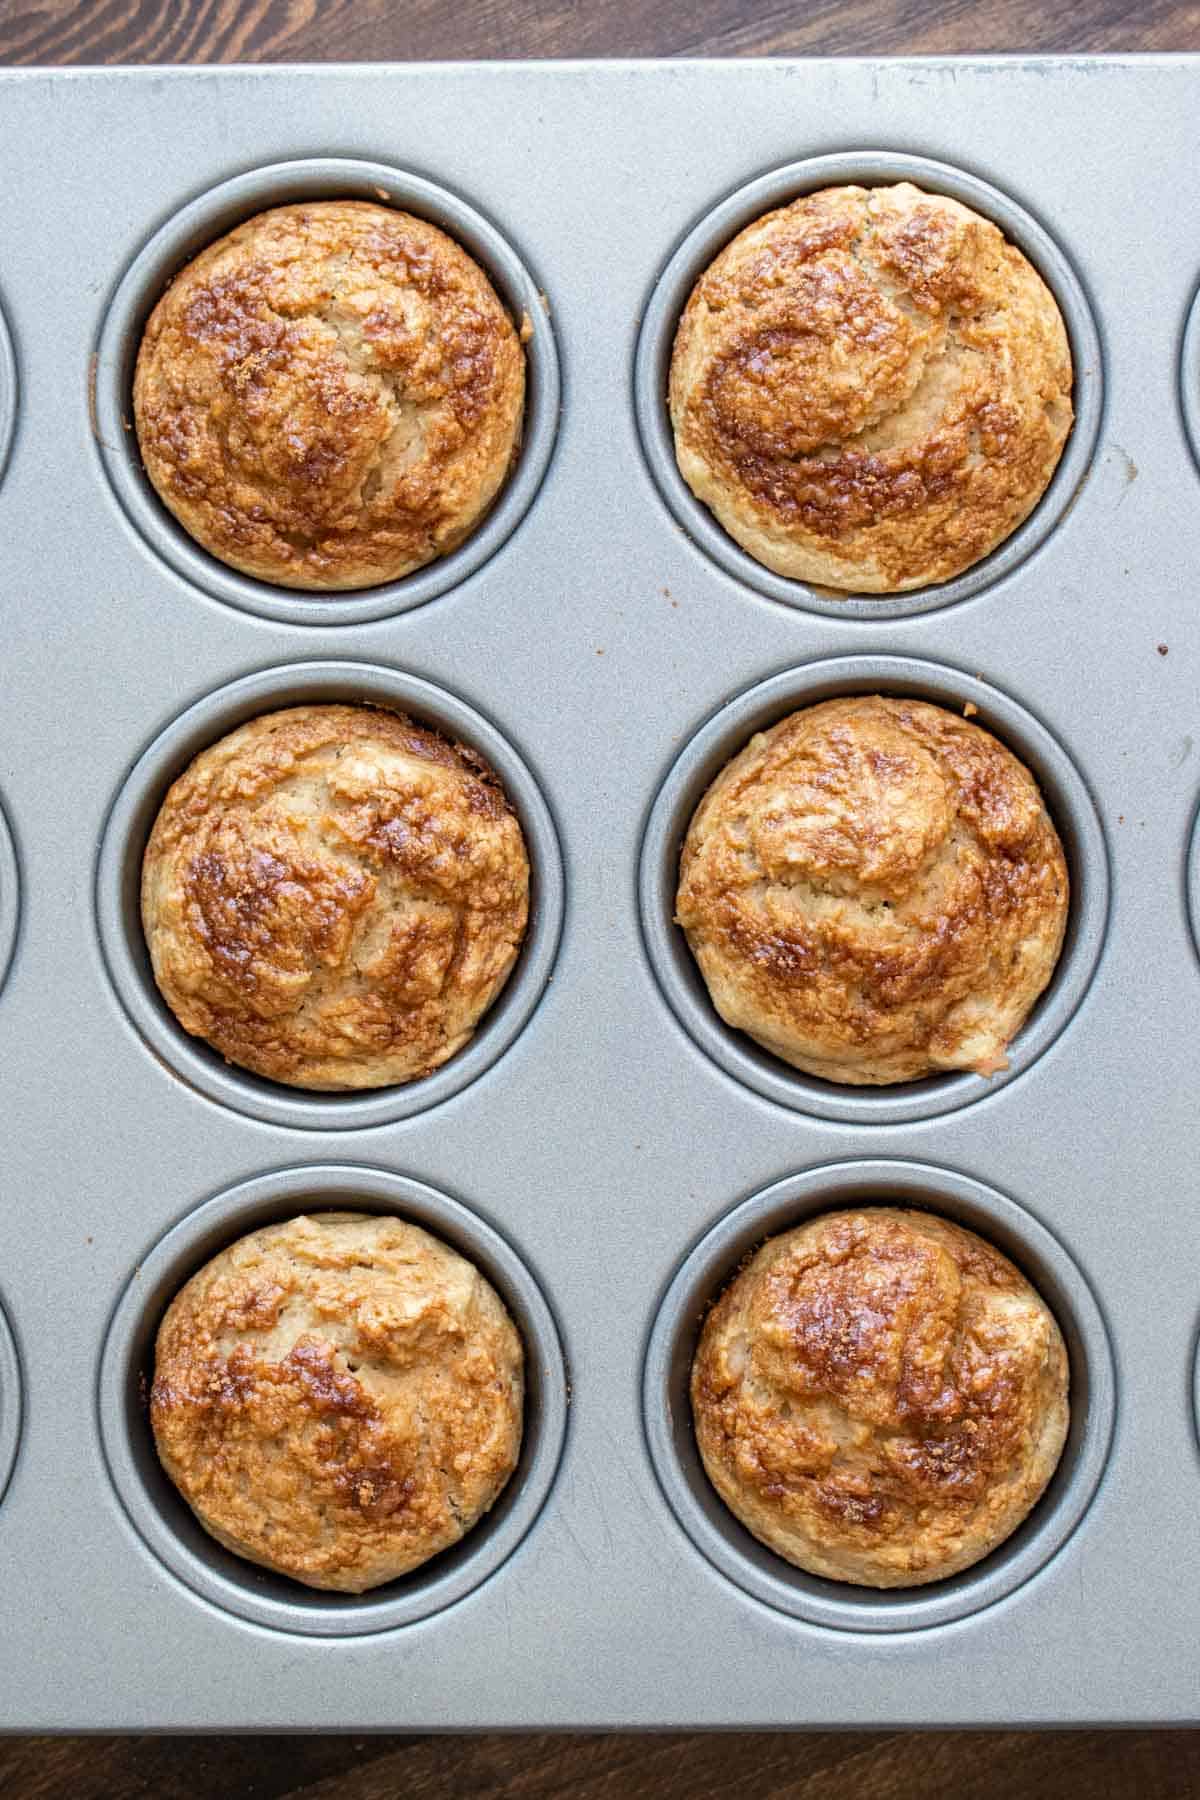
(598, 1144)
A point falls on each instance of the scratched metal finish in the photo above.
(614, 1157)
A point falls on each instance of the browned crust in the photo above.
(330, 396)
(332, 896)
(880, 1397)
(338, 1398)
(870, 388)
(874, 891)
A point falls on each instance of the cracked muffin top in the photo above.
(332, 896)
(870, 388)
(880, 1397)
(874, 891)
(330, 396)
(338, 1397)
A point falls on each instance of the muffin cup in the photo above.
(10, 897)
(10, 1402)
(199, 223)
(1189, 376)
(667, 1413)
(867, 168)
(723, 735)
(8, 395)
(1191, 878)
(118, 892)
(162, 1518)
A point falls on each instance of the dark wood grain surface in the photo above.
(773, 1765)
(366, 30)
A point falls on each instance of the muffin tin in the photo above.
(605, 1149)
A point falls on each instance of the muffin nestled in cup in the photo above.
(333, 896)
(330, 396)
(338, 1398)
(880, 1397)
(874, 891)
(870, 388)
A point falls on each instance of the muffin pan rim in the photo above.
(10, 897)
(704, 1271)
(10, 393)
(12, 1402)
(719, 737)
(219, 1577)
(1189, 375)
(180, 236)
(203, 722)
(767, 191)
(1191, 877)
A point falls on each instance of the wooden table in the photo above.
(774, 1765)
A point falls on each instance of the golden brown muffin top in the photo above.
(338, 1397)
(880, 1396)
(332, 896)
(870, 388)
(330, 396)
(874, 891)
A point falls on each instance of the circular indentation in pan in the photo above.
(668, 1416)
(165, 1522)
(867, 168)
(1189, 376)
(209, 217)
(8, 395)
(1192, 879)
(10, 896)
(10, 1402)
(724, 734)
(118, 891)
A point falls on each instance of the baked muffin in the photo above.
(874, 891)
(338, 1398)
(333, 896)
(330, 396)
(880, 1397)
(870, 388)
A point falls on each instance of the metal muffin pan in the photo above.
(606, 1149)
